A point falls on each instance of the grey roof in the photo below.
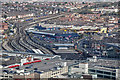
(64, 44)
(11, 60)
(106, 63)
(53, 32)
(26, 53)
(59, 51)
(18, 13)
(48, 65)
(47, 33)
(45, 65)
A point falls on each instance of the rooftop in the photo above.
(59, 51)
(45, 65)
(64, 44)
(108, 63)
(18, 13)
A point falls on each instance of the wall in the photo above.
(82, 68)
(53, 74)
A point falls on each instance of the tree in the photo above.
(16, 2)
(6, 4)
(5, 16)
(65, 2)
(59, 4)
(83, 2)
(16, 16)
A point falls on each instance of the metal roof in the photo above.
(64, 44)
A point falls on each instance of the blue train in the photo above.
(29, 19)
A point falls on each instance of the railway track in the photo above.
(20, 42)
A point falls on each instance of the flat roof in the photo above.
(85, 27)
(106, 63)
(46, 65)
(59, 51)
(41, 32)
(33, 54)
(64, 44)
(14, 13)
(115, 44)
(50, 32)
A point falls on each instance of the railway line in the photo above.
(21, 42)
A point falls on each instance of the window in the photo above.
(10, 76)
(92, 70)
(113, 74)
(108, 77)
(108, 73)
(83, 73)
(99, 71)
(113, 78)
(100, 76)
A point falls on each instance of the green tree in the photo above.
(5, 16)
(65, 2)
(16, 2)
(17, 16)
(83, 2)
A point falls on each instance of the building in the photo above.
(36, 67)
(104, 68)
(48, 68)
(22, 14)
(81, 68)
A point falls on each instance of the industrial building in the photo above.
(54, 33)
(59, 42)
(47, 68)
(104, 68)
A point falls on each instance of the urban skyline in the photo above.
(60, 40)
(60, 0)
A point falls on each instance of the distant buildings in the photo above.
(4, 26)
(63, 47)
(19, 15)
